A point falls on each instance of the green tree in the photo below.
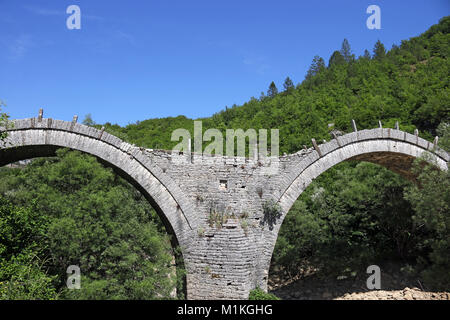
(430, 198)
(3, 121)
(273, 91)
(96, 220)
(87, 121)
(23, 274)
(379, 51)
(351, 215)
(317, 65)
(336, 59)
(288, 84)
(346, 51)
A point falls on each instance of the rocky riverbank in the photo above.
(395, 285)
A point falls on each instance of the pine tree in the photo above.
(346, 51)
(273, 91)
(336, 59)
(88, 120)
(288, 84)
(317, 65)
(379, 52)
(262, 96)
(367, 54)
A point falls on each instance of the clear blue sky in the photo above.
(134, 60)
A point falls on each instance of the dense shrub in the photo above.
(83, 214)
(259, 294)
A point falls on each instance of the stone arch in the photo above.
(390, 148)
(37, 137)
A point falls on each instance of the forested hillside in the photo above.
(408, 83)
(71, 210)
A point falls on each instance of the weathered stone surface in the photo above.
(214, 205)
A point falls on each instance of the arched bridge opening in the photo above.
(391, 148)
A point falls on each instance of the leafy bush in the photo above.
(3, 121)
(349, 217)
(83, 214)
(259, 294)
(23, 274)
(430, 199)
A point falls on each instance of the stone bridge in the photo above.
(225, 213)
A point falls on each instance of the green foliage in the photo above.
(317, 65)
(443, 131)
(24, 277)
(288, 84)
(83, 214)
(152, 133)
(346, 51)
(87, 121)
(379, 51)
(272, 91)
(259, 294)
(23, 274)
(3, 121)
(21, 229)
(336, 59)
(349, 217)
(430, 199)
(409, 85)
